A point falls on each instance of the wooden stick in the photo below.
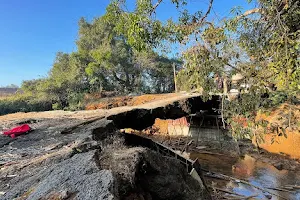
(292, 186)
(242, 198)
(186, 146)
(264, 190)
(281, 189)
(216, 177)
(210, 153)
(288, 187)
(226, 191)
(296, 187)
(175, 82)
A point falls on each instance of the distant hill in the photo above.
(4, 91)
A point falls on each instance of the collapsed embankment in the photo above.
(82, 155)
(92, 161)
(110, 171)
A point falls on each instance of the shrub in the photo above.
(19, 103)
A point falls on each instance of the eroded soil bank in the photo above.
(90, 161)
(91, 169)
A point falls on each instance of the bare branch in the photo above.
(250, 12)
(156, 5)
(202, 20)
(231, 66)
(207, 13)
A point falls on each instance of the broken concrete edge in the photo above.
(193, 167)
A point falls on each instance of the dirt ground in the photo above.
(144, 101)
(51, 163)
(279, 129)
(112, 102)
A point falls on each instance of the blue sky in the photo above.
(32, 31)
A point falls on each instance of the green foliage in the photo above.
(22, 104)
(277, 98)
(113, 62)
(56, 106)
(140, 30)
(262, 45)
(75, 101)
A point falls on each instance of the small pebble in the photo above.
(268, 196)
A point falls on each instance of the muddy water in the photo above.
(255, 172)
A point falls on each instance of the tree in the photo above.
(261, 44)
(143, 31)
(271, 41)
(65, 79)
(114, 63)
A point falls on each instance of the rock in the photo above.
(268, 196)
(64, 194)
(278, 166)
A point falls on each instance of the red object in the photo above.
(19, 130)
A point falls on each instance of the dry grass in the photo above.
(122, 160)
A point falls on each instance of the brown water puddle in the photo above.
(255, 172)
